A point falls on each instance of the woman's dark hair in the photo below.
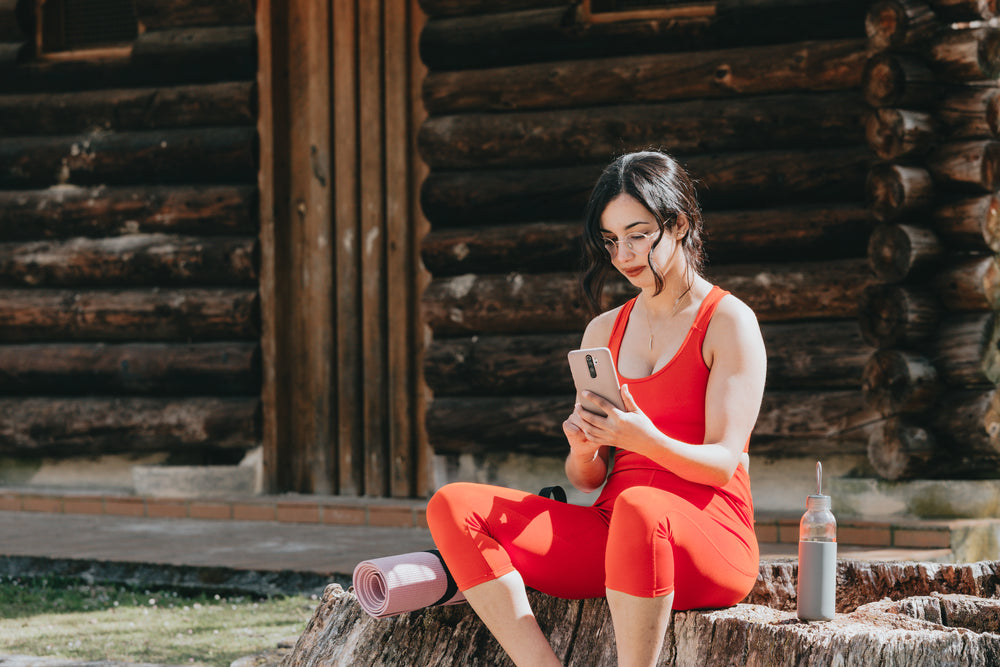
(661, 185)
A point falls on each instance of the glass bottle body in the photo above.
(818, 526)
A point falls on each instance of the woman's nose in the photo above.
(622, 247)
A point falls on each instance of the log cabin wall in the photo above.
(932, 83)
(128, 240)
(527, 101)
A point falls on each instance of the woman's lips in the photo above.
(634, 271)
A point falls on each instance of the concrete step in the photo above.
(203, 553)
(917, 498)
(967, 539)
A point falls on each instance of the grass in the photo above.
(70, 619)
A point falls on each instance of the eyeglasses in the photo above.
(635, 242)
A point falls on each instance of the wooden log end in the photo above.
(991, 420)
(893, 24)
(893, 189)
(885, 24)
(991, 355)
(989, 53)
(894, 80)
(991, 166)
(883, 81)
(965, 54)
(883, 131)
(894, 133)
(898, 450)
(966, 166)
(993, 114)
(991, 283)
(970, 285)
(889, 253)
(964, 10)
(897, 382)
(991, 224)
(968, 223)
(962, 421)
(897, 251)
(892, 315)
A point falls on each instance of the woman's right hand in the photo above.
(580, 447)
(586, 467)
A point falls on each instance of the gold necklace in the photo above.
(673, 311)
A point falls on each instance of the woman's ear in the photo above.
(681, 228)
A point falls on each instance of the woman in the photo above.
(673, 525)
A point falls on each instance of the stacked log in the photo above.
(128, 240)
(932, 85)
(761, 102)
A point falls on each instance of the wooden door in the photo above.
(339, 107)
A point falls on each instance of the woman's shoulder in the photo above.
(732, 307)
(598, 331)
(732, 315)
(733, 324)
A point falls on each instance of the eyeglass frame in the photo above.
(610, 243)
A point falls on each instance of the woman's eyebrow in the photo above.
(629, 226)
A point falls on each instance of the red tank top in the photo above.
(674, 399)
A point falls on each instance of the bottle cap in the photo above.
(818, 502)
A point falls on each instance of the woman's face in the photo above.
(625, 221)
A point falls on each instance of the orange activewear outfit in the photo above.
(648, 534)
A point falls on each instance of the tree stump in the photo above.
(889, 614)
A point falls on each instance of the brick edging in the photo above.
(320, 510)
(901, 534)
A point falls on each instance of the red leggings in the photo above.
(653, 539)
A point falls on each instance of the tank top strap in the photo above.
(618, 330)
(707, 309)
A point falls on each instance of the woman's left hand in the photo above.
(630, 429)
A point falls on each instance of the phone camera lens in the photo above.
(591, 367)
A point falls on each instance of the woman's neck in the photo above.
(676, 293)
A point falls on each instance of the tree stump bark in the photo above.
(936, 614)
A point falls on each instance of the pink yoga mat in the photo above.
(397, 584)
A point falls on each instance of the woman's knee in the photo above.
(441, 506)
(458, 504)
(639, 559)
(637, 507)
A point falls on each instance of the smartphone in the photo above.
(594, 370)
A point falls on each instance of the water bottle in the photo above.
(817, 581)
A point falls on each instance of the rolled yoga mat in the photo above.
(397, 584)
